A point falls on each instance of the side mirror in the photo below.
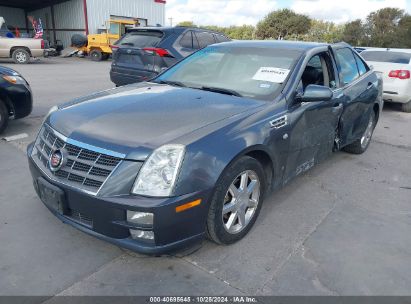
(315, 93)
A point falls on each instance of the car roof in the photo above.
(171, 29)
(283, 44)
(388, 50)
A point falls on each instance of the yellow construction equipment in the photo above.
(97, 46)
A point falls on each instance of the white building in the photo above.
(63, 18)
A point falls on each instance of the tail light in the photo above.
(158, 52)
(42, 44)
(114, 47)
(401, 74)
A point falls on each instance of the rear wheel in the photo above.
(406, 107)
(236, 202)
(361, 145)
(96, 55)
(4, 117)
(21, 56)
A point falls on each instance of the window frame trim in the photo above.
(192, 39)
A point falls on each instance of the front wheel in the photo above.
(361, 145)
(236, 202)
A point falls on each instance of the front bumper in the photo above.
(105, 217)
(19, 99)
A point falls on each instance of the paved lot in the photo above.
(341, 229)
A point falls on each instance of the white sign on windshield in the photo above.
(271, 74)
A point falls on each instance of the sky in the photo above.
(239, 12)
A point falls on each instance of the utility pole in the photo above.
(171, 21)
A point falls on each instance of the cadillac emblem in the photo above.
(56, 160)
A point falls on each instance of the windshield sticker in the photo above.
(276, 75)
(265, 85)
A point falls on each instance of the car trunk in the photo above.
(136, 55)
(391, 84)
(132, 58)
(386, 62)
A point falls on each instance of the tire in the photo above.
(96, 55)
(4, 117)
(406, 107)
(218, 226)
(79, 40)
(361, 145)
(21, 56)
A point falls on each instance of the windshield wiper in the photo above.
(221, 90)
(172, 83)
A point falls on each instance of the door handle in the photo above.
(370, 85)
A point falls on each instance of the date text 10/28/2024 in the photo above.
(205, 299)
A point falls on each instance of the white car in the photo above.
(395, 67)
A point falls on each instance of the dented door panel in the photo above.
(312, 135)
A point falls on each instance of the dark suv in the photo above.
(145, 52)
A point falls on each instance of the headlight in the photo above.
(158, 175)
(15, 79)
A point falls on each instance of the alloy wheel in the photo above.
(21, 57)
(241, 201)
(365, 139)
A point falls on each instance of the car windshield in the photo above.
(386, 56)
(253, 72)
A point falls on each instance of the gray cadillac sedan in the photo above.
(157, 166)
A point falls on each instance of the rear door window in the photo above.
(362, 67)
(387, 56)
(141, 39)
(187, 40)
(205, 39)
(347, 65)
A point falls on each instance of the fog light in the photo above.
(140, 234)
(140, 218)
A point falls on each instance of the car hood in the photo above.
(134, 120)
(7, 71)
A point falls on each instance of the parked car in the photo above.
(21, 49)
(15, 97)
(360, 49)
(145, 52)
(395, 67)
(158, 165)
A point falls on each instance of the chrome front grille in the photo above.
(84, 169)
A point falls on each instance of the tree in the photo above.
(323, 31)
(187, 23)
(282, 23)
(243, 32)
(404, 32)
(354, 33)
(383, 25)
